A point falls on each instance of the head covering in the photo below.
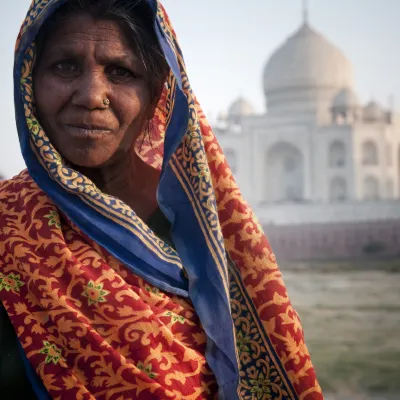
(222, 260)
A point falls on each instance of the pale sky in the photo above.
(226, 44)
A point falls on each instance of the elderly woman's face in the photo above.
(85, 62)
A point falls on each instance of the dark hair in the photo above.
(135, 17)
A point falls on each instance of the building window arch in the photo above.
(389, 188)
(371, 188)
(370, 153)
(389, 154)
(338, 189)
(337, 154)
(284, 172)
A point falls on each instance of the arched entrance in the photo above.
(338, 189)
(284, 174)
(371, 188)
(337, 154)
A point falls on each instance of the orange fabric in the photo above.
(89, 327)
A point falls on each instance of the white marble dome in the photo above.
(307, 60)
(345, 99)
(240, 108)
(373, 112)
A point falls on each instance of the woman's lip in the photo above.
(87, 131)
(89, 127)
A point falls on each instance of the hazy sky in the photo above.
(226, 44)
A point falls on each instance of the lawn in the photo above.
(351, 317)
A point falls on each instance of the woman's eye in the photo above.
(66, 67)
(119, 72)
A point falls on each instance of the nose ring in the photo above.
(106, 102)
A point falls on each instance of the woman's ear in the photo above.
(151, 111)
(156, 99)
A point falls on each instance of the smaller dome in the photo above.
(240, 108)
(346, 99)
(373, 112)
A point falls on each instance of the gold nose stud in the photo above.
(106, 102)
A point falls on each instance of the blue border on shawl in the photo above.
(206, 289)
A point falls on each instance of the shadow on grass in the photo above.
(368, 373)
(383, 265)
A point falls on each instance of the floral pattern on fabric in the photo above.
(261, 387)
(10, 282)
(95, 293)
(52, 352)
(147, 370)
(175, 317)
(53, 218)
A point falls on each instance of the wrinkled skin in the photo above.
(84, 62)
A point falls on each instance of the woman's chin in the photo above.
(88, 159)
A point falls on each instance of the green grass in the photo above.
(355, 370)
(350, 313)
(391, 265)
(390, 308)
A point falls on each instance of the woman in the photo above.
(130, 266)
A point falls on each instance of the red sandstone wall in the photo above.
(335, 241)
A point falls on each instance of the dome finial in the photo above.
(391, 102)
(305, 12)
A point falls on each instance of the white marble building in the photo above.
(317, 154)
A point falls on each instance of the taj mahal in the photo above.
(317, 155)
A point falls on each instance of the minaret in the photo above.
(391, 103)
(390, 109)
(305, 12)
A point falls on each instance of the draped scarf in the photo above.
(102, 306)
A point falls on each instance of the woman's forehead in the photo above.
(80, 31)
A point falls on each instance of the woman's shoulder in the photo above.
(23, 178)
(19, 197)
(15, 196)
(13, 191)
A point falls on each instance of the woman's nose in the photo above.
(91, 90)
